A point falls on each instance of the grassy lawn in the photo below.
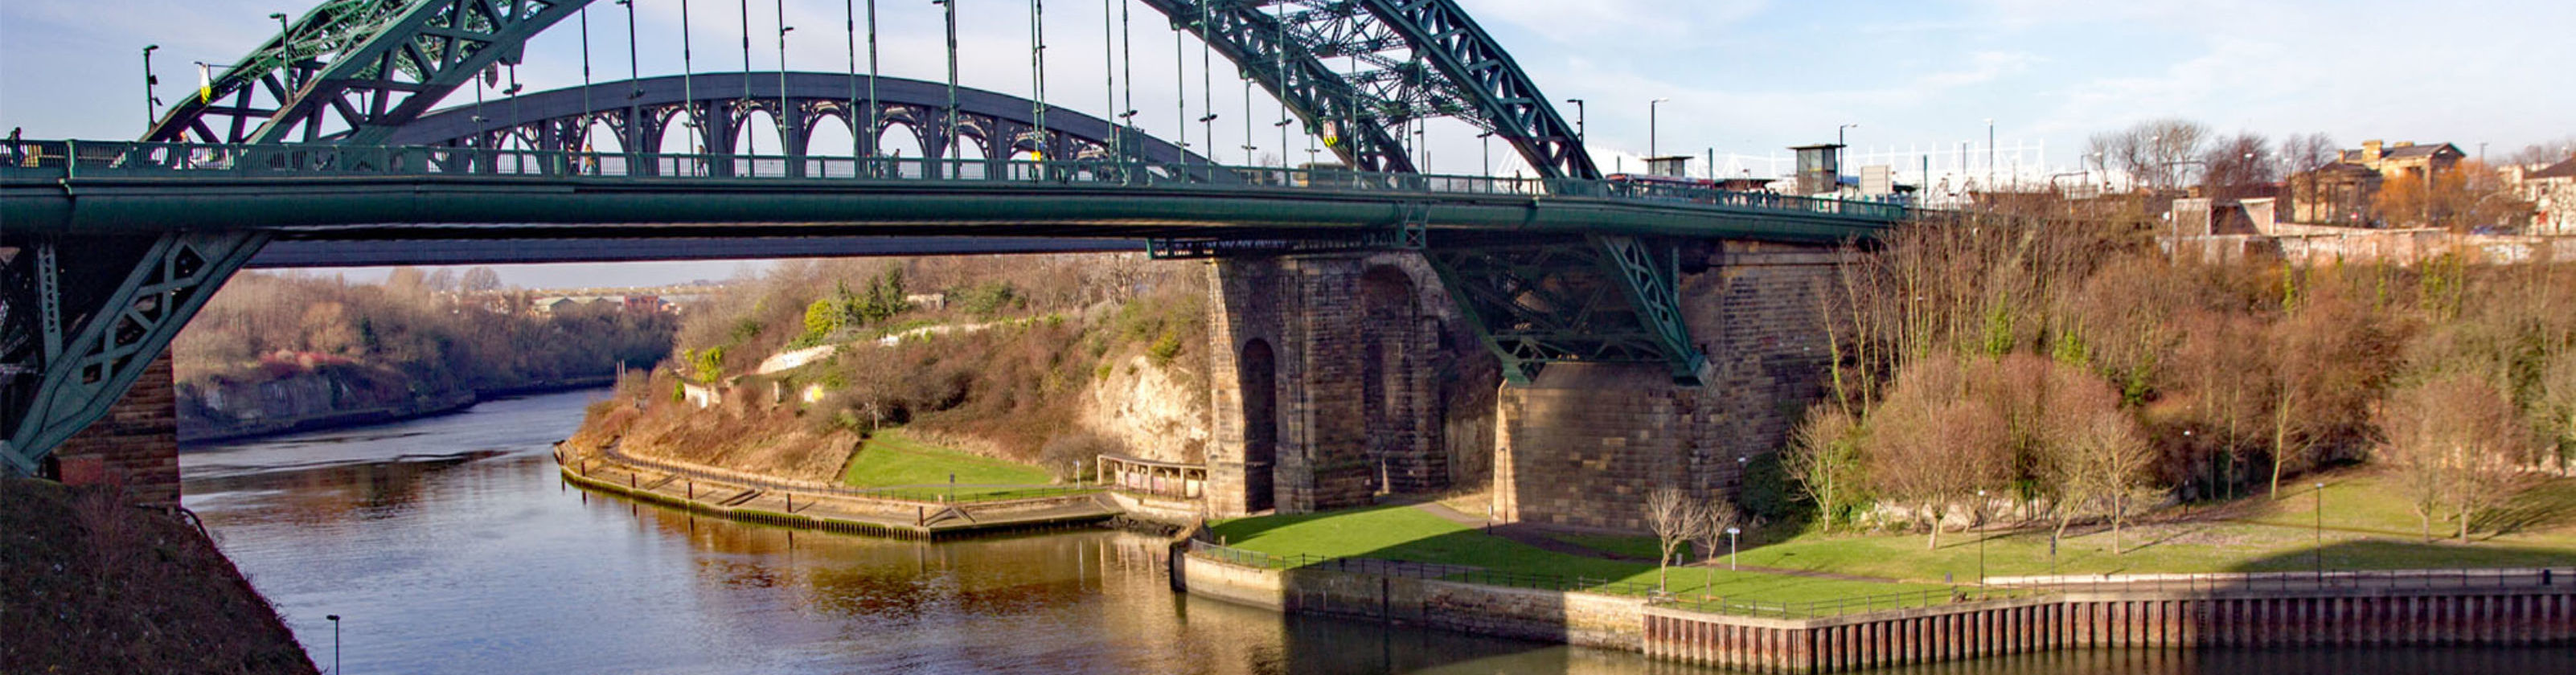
(1410, 534)
(2365, 527)
(892, 458)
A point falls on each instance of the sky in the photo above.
(1744, 77)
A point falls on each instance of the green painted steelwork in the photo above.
(170, 277)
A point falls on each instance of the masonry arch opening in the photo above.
(1259, 370)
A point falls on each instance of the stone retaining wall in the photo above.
(2522, 616)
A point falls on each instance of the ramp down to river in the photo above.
(749, 498)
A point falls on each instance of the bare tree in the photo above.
(1714, 517)
(2238, 167)
(1930, 446)
(1675, 521)
(481, 280)
(2454, 442)
(1825, 460)
(2301, 153)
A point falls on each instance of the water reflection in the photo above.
(451, 545)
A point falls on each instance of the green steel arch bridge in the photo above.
(323, 147)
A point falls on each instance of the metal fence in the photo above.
(2449, 579)
(1862, 604)
(73, 159)
(1416, 570)
(962, 493)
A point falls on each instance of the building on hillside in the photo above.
(2552, 193)
(2337, 193)
(2405, 159)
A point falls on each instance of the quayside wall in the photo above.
(2512, 608)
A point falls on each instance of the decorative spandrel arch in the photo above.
(556, 120)
(358, 71)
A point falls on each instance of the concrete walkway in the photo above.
(1536, 537)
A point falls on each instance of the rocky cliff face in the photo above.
(218, 407)
(1155, 412)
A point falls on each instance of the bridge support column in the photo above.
(86, 317)
(1583, 443)
(1333, 378)
(136, 445)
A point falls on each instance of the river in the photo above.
(450, 545)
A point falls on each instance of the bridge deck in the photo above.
(412, 193)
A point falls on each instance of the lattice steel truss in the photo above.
(1359, 71)
(353, 70)
(1597, 299)
(91, 334)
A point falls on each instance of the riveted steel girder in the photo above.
(351, 71)
(1402, 61)
(1595, 298)
(119, 303)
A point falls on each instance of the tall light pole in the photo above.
(1651, 126)
(1730, 547)
(1578, 118)
(285, 50)
(335, 642)
(1838, 160)
(1990, 153)
(151, 103)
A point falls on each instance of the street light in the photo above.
(151, 103)
(1578, 118)
(1651, 127)
(1730, 547)
(1990, 153)
(335, 642)
(285, 49)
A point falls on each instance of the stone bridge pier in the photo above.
(1339, 376)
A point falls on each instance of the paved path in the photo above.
(1534, 537)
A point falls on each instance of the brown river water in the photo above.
(450, 545)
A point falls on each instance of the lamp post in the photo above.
(285, 49)
(1651, 126)
(1731, 532)
(335, 642)
(151, 103)
(1578, 118)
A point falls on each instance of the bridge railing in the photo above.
(118, 158)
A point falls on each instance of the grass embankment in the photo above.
(908, 468)
(91, 585)
(1411, 534)
(2365, 528)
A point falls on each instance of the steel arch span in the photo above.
(358, 71)
(646, 110)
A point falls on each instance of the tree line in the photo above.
(2073, 370)
(406, 334)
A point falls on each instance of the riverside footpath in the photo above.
(2498, 608)
(908, 512)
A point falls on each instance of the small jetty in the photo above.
(925, 513)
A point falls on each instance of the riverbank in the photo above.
(765, 500)
(2488, 608)
(341, 419)
(89, 584)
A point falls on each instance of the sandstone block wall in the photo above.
(1584, 444)
(136, 445)
(1363, 349)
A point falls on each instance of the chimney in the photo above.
(2370, 150)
